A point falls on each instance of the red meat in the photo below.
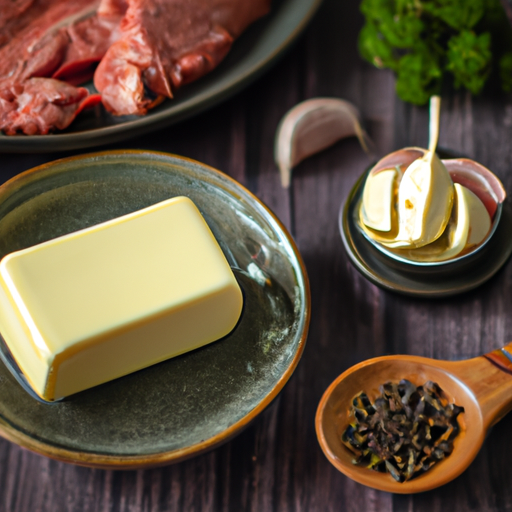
(66, 39)
(11, 17)
(38, 105)
(38, 40)
(89, 40)
(167, 43)
(147, 49)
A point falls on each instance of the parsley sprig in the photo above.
(426, 41)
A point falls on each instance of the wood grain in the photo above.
(276, 463)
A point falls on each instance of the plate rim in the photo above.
(128, 462)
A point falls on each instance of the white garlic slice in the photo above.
(454, 238)
(479, 220)
(468, 226)
(425, 199)
(378, 209)
(312, 126)
(425, 194)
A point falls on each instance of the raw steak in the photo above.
(66, 39)
(37, 105)
(37, 39)
(167, 43)
(147, 49)
(88, 41)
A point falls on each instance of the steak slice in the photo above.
(167, 43)
(11, 17)
(48, 37)
(39, 105)
(88, 41)
(37, 38)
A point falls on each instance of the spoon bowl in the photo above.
(482, 386)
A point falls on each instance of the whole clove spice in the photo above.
(405, 431)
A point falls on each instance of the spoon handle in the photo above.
(502, 358)
(496, 385)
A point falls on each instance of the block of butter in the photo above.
(97, 304)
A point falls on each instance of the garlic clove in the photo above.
(312, 126)
(397, 161)
(425, 199)
(382, 237)
(377, 208)
(480, 180)
(454, 238)
(400, 159)
(479, 220)
(425, 196)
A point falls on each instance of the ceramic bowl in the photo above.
(428, 279)
(191, 403)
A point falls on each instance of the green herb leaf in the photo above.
(419, 76)
(376, 49)
(469, 59)
(456, 14)
(425, 41)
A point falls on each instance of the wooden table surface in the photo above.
(276, 463)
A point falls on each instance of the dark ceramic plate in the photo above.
(191, 403)
(251, 54)
(455, 277)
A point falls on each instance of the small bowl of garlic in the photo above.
(423, 211)
(422, 225)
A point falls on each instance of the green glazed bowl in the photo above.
(189, 404)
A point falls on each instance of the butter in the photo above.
(97, 304)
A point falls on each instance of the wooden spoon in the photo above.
(483, 386)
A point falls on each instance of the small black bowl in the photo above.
(433, 279)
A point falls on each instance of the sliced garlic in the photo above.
(378, 207)
(425, 195)
(425, 199)
(480, 180)
(312, 126)
(480, 220)
(378, 236)
(454, 238)
(468, 226)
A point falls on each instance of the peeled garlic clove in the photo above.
(393, 165)
(479, 220)
(377, 209)
(454, 238)
(480, 180)
(312, 126)
(425, 199)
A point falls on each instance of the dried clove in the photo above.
(405, 431)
